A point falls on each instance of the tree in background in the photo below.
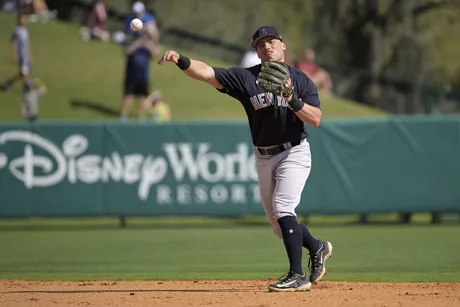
(387, 39)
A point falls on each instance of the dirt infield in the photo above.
(223, 293)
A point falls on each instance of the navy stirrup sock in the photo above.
(292, 238)
(308, 241)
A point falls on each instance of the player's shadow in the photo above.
(94, 106)
(131, 292)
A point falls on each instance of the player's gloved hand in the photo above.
(273, 77)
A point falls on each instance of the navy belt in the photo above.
(274, 150)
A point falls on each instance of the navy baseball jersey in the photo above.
(271, 119)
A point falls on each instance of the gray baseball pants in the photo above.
(282, 178)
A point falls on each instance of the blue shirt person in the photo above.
(149, 22)
(139, 53)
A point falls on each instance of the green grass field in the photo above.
(92, 72)
(366, 253)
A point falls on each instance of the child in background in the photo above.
(31, 95)
(157, 107)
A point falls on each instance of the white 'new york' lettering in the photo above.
(264, 100)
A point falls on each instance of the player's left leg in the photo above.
(317, 261)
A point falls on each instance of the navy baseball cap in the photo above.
(264, 31)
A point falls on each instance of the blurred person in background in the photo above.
(316, 73)
(30, 98)
(22, 55)
(156, 106)
(35, 10)
(250, 59)
(8, 6)
(139, 53)
(97, 23)
(149, 22)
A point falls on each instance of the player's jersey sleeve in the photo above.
(309, 92)
(232, 79)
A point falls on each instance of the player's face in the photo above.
(270, 49)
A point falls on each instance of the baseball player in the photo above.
(278, 100)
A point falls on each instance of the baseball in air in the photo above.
(136, 24)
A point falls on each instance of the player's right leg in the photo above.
(266, 187)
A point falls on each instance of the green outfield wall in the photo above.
(399, 164)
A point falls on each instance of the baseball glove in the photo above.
(273, 77)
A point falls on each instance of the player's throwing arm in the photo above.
(193, 68)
